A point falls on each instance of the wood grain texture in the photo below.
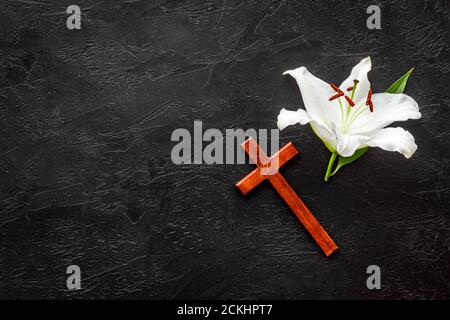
(284, 189)
(255, 177)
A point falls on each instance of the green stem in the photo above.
(330, 166)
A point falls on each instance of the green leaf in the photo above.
(397, 87)
(346, 160)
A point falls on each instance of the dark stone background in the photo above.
(86, 177)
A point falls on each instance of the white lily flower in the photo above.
(349, 117)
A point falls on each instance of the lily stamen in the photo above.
(335, 87)
(339, 94)
(355, 83)
(369, 100)
(350, 101)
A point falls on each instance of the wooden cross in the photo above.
(283, 188)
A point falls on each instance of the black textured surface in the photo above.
(85, 171)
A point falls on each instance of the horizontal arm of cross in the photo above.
(255, 152)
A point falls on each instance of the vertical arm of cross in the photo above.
(303, 214)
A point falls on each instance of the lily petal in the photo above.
(359, 72)
(347, 144)
(315, 94)
(327, 137)
(288, 118)
(393, 139)
(388, 108)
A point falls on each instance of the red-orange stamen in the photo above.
(339, 94)
(350, 101)
(335, 87)
(350, 88)
(369, 100)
